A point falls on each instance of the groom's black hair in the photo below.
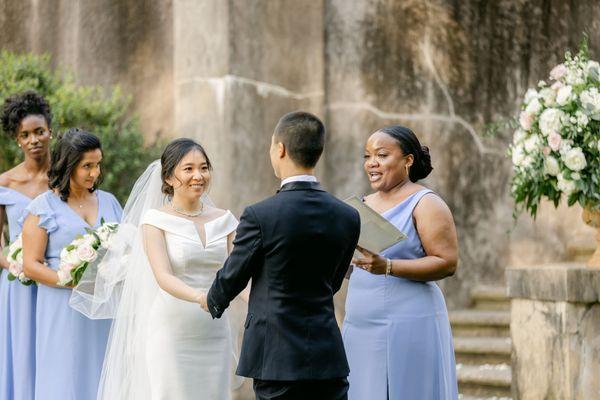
(303, 135)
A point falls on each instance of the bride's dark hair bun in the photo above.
(409, 144)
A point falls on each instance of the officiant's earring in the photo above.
(407, 169)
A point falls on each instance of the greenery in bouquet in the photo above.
(556, 149)
(84, 250)
(102, 111)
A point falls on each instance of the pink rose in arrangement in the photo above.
(546, 150)
(526, 120)
(86, 252)
(558, 72)
(554, 140)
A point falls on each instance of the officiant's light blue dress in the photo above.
(69, 347)
(17, 316)
(396, 331)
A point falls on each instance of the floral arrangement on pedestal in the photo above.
(556, 148)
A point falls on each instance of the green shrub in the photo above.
(104, 113)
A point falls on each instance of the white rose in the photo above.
(590, 100)
(64, 275)
(86, 253)
(530, 95)
(566, 186)
(532, 144)
(528, 161)
(533, 107)
(551, 166)
(564, 95)
(554, 140)
(551, 120)
(575, 176)
(20, 258)
(574, 76)
(592, 68)
(582, 119)
(70, 257)
(103, 234)
(574, 159)
(549, 96)
(519, 136)
(526, 120)
(518, 155)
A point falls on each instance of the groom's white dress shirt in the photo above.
(299, 178)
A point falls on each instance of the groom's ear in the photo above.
(281, 150)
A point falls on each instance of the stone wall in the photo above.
(223, 71)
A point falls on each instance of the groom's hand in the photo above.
(202, 301)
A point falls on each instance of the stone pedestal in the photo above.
(555, 329)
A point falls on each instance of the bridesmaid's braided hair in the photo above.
(409, 144)
(67, 153)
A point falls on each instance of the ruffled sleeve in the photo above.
(6, 197)
(42, 208)
(221, 227)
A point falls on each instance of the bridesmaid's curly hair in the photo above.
(19, 106)
(67, 153)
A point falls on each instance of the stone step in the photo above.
(471, 322)
(488, 297)
(484, 380)
(463, 397)
(482, 350)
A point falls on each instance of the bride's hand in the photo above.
(371, 262)
(202, 300)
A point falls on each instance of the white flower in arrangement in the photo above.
(533, 107)
(575, 176)
(558, 72)
(530, 95)
(564, 95)
(554, 140)
(518, 156)
(548, 95)
(70, 256)
(519, 136)
(551, 120)
(551, 166)
(532, 144)
(566, 186)
(592, 69)
(64, 274)
(574, 76)
(582, 119)
(86, 253)
(590, 100)
(528, 161)
(526, 120)
(574, 159)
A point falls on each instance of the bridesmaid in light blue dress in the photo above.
(396, 330)
(27, 118)
(69, 347)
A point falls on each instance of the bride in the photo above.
(169, 246)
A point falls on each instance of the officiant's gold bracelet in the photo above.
(388, 266)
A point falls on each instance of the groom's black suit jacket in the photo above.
(296, 247)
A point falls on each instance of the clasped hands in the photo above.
(202, 300)
(371, 262)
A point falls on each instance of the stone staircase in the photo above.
(482, 345)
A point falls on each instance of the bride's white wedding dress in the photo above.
(188, 354)
(160, 347)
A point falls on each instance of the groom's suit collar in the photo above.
(301, 185)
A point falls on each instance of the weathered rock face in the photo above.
(225, 71)
(555, 315)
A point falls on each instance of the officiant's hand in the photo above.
(202, 300)
(371, 262)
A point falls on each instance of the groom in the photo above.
(295, 247)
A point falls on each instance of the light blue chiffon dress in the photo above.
(17, 316)
(69, 347)
(396, 331)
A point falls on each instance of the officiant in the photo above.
(396, 331)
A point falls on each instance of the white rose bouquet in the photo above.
(14, 255)
(84, 250)
(556, 148)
